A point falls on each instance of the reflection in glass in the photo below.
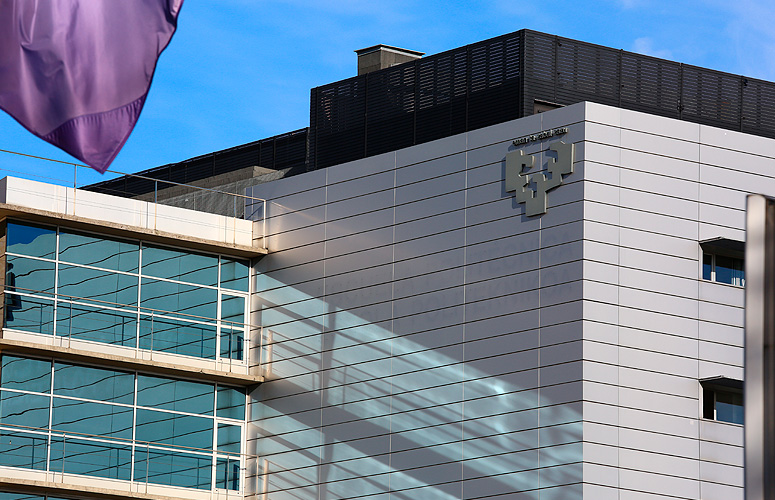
(25, 410)
(178, 265)
(85, 283)
(730, 270)
(232, 326)
(177, 395)
(25, 374)
(232, 342)
(117, 255)
(179, 298)
(90, 458)
(31, 275)
(173, 429)
(93, 383)
(229, 438)
(92, 418)
(33, 315)
(227, 474)
(235, 274)
(173, 469)
(30, 239)
(23, 449)
(19, 496)
(97, 324)
(178, 337)
(729, 407)
(231, 403)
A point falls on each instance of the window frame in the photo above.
(711, 387)
(56, 301)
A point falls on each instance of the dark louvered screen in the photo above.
(441, 96)
(758, 107)
(540, 75)
(503, 78)
(650, 85)
(437, 96)
(278, 152)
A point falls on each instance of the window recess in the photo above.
(722, 399)
(723, 261)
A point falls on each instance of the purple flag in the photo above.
(76, 72)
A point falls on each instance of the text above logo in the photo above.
(541, 135)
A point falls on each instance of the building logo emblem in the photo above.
(531, 188)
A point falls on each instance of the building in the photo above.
(510, 270)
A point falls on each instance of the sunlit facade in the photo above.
(513, 270)
(124, 358)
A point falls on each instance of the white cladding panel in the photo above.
(430, 340)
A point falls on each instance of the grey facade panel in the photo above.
(468, 350)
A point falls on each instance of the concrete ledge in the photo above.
(122, 362)
(32, 487)
(128, 231)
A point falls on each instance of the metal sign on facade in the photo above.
(531, 188)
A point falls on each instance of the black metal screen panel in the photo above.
(758, 107)
(438, 96)
(278, 152)
(540, 75)
(650, 85)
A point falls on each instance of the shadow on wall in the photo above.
(381, 402)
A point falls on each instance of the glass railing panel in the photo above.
(29, 314)
(173, 468)
(177, 336)
(25, 450)
(90, 458)
(96, 324)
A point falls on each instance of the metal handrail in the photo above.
(122, 307)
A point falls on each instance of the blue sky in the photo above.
(241, 70)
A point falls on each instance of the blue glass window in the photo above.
(227, 474)
(729, 407)
(25, 374)
(229, 438)
(178, 337)
(96, 324)
(29, 275)
(31, 239)
(179, 265)
(18, 496)
(104, 286)
(179, 298)
(96, 419)
(117, 255)
(232, 326)
(94, 438)
(231, 403)
(177, 395)
(93, 383)
(235, 274)
(24, 410)
(173, 469)
(91, 458)
(23, 449)
(174, 429)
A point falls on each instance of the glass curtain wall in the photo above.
(68, 418)
(124, 292)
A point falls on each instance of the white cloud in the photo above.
(645, 45)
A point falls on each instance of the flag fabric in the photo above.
(76, 72)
